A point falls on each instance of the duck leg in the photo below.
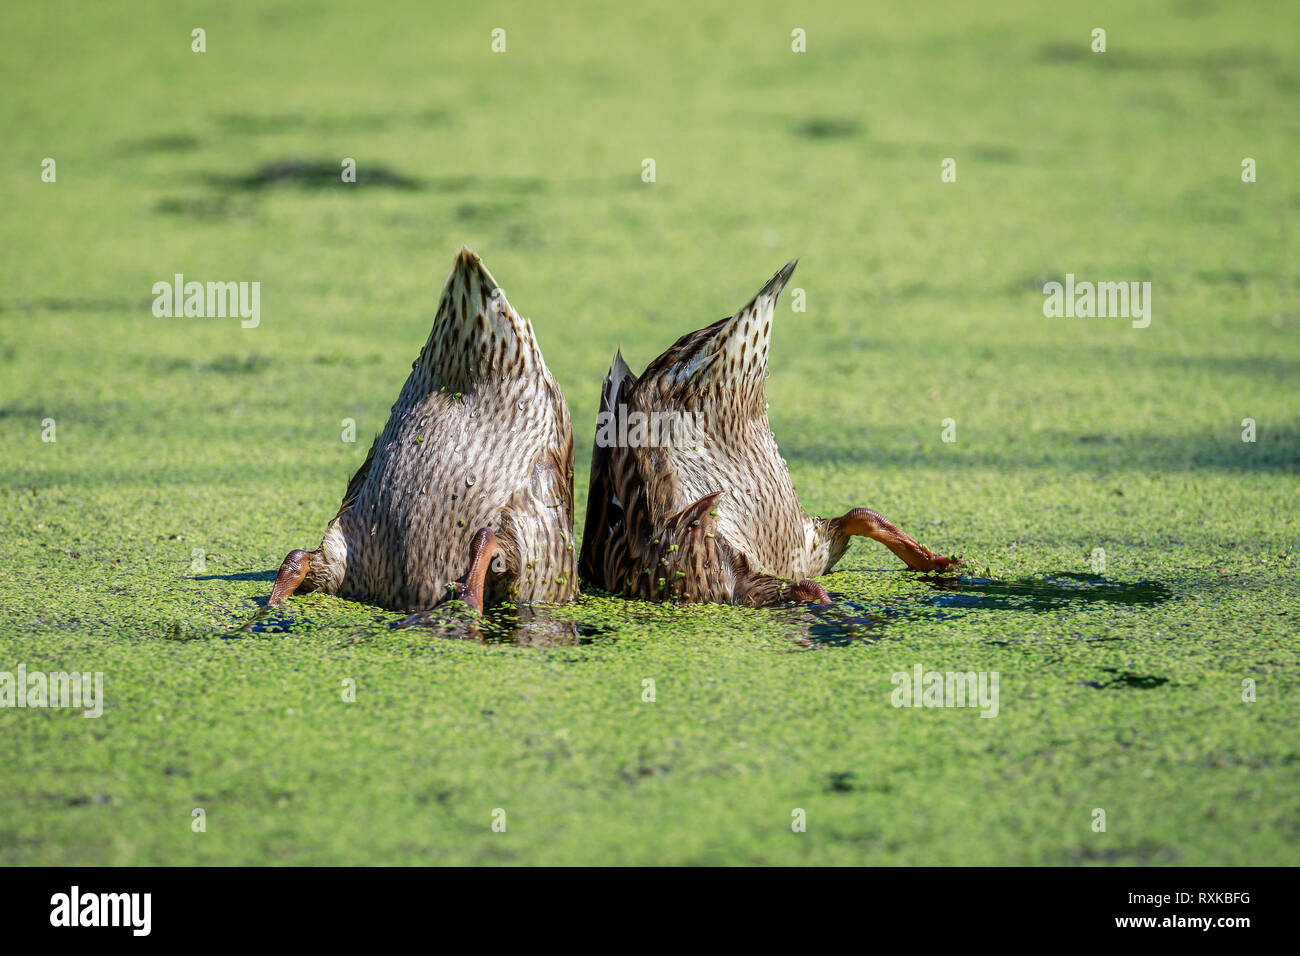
(295, 568)
(871, 524)
(292, 573)
(470, 587)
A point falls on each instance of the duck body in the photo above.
(712, 515)
(468, 489)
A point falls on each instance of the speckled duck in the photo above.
(711, 514)
(468, 490)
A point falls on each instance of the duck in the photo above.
(704, 510)
(467, 491)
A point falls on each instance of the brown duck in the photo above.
(468, 490)
(690, 498)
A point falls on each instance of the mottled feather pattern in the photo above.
(479, 437)
(754, 536)
(539, 551)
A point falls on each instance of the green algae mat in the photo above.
(1045, 318)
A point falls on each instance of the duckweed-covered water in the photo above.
(1129, 560)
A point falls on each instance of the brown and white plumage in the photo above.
(469, 486)
(714, 518)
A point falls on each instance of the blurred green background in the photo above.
(923, 304)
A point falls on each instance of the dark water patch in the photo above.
(16, 411)
(321, 174)
(68, 304)
(270, 621)
(169, 143)
(235, 364)
(344, 360)
(993, 153)
(1125, 679)
(225, 364)
(522, 625)
(85, 799)
(846, 623)
(841, 781)
(310, 174)
(842, 624)
(1064, 52)
(1049, 593)
(1096, 439)
(632, 771)
(198, 207)
(828, 127)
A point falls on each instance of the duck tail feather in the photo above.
(732, 354)
(476, 333)
(618, 374)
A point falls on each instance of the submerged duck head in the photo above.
(468, 489)
(705, 510)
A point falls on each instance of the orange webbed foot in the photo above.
(468, 589)
(296, 565)
(872, 524)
